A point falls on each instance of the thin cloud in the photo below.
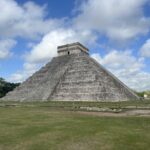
(5, 48)
(145, 49)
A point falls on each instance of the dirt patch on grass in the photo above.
(118, 114)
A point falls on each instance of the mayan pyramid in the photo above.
(72, 76)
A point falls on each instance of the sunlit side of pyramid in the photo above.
(72, 76)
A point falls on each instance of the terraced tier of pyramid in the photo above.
(72, 76)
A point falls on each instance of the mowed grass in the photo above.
(44, 128)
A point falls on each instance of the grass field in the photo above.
(47, 128)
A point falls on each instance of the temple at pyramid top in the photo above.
(73, 48)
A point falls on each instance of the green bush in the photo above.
(5, 87)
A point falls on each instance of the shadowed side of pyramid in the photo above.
(39, 86)
(73, 75)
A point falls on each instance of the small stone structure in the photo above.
(72, 76)
(74, 48)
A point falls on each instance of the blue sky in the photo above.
(117, 32)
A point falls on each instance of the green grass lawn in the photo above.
(45, 128)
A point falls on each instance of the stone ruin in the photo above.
(72, 76)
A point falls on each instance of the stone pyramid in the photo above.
(72, 76)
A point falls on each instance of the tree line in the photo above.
(5, 87)
(141, 94)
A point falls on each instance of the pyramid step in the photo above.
(80, 67)
(81, 79)
(77, 84)
(86, 82)
(77, 76)
(85, 96)
(71, 71)
(84, 90)
(80, 60)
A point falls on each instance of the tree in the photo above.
(5, 87)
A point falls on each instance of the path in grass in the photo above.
(127, 113)
(46, 129)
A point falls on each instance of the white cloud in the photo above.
(122, 59)
(16, 77)
(145, 49)
(21, 75)
(5, 48)
(127, 68)
(120, 20)
(27, 20)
